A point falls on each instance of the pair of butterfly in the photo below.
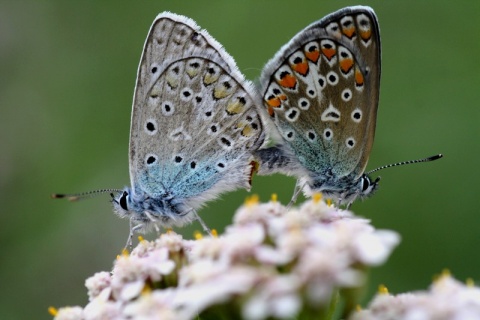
(198, 126)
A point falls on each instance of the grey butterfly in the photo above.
(194, 127)
(321, 90)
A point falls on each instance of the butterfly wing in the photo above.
(322, 90)
(194, 121)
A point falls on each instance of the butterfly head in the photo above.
(123, 204)
(147, 211)
(120, 202)
(360, 188)
(366, 186)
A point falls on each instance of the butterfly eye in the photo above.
(365, 183)
(123, 201)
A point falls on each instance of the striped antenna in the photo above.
(83, 195)
(432, 158)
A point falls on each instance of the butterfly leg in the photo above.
(133, 229)
(298, 188)
(340, 202)
(349, 204)
(150, 216)
(204, 226)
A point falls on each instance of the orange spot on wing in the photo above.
(349, 32)
(329, 53)
(274, 102)
(270, 111)
(346, 65)
(358, 78)
(312, 55)
(288, 81)
(365, 34)
(301, 67)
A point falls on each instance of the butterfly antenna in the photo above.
(432, 158)
(83, 195)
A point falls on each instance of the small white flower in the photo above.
(447, 299)
(131, 271)
(200, 271)
(130, 290)
(127, 277)
(269, 255)
(143, 248)
(316, 210)
(374, 247)
(206, 248)
(157, 264)
(254, 212)
(274, 297)
(322, 271)
(292, 242)
(242, 241)
(69, 313)
(216, 288)
(153, 305)
(97, 283)
(172, 241)
(101, 307)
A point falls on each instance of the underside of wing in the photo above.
(194, 120)
(322, 91)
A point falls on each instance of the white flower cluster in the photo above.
(271, 263)
(447, 299)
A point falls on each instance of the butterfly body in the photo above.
(194, 126)
(321, 90)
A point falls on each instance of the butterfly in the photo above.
(321, 90)
(194, 127)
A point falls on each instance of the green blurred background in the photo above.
(67, 73)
